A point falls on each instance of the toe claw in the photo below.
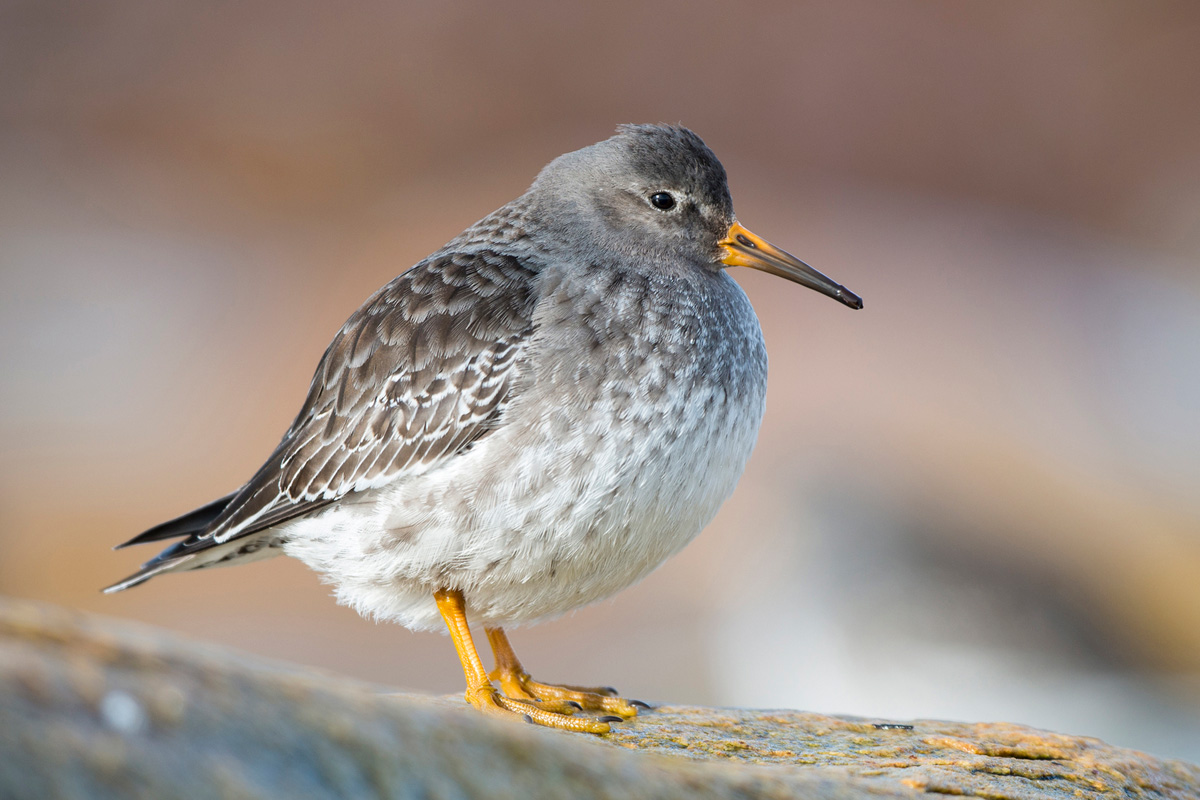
(578, 706)
(640, 704)
(527, 718)
(610, 719)
(609, 691)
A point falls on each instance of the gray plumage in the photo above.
(538, 414)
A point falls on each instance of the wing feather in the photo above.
(420, 372)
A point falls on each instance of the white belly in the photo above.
(580, 494)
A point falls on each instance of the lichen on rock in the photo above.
(94, 708)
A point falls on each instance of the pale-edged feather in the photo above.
(418, 374)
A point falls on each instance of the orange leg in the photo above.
(516, 683)
(481, 693)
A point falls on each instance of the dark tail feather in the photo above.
(189, 524)
(171, 558)
(148, 571)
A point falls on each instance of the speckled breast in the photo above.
(633, 429)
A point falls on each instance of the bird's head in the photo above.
(656, 193)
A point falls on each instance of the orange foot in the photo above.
(522, 697)
(516, 683)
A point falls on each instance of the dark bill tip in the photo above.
(741, 248)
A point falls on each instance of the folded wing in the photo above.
(417, 375)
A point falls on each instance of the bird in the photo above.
(529, 420)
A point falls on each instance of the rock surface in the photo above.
(100, 709)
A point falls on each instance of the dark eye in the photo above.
(663, 201)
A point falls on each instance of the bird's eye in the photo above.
(663, 201)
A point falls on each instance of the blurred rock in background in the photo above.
(977, 499)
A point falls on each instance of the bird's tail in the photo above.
(192, 523)
(148, 570)
(193, 551)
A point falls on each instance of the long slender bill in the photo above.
(742, 248)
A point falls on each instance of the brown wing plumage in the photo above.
(419, 373)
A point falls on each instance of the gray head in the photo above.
(655, 194)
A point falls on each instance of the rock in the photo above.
(93, 708)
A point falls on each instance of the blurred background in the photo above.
(977, 499)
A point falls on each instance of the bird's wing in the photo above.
(419, 373)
